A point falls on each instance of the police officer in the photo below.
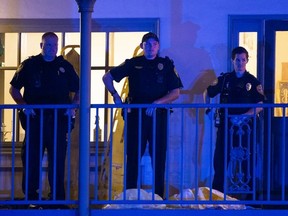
(152, 80)
(46, 79)
(236, 87)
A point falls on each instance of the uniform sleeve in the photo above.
(73, 78)
(18, 80)
(121, 71)
(174, 80)
(258, 91)
(215, 88)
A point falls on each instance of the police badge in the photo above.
(62, 70)
(248, 86)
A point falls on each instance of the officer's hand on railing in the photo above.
(210, 113)
(70, 112)
(150, 111)
(29, 111)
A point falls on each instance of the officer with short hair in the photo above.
(236, 87)
(152, 80)
(46, 79)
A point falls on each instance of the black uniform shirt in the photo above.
(233, 90)
(46, 82)
(148, 79)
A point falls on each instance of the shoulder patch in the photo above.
(176, 73)
(169, 60)
(260, 89)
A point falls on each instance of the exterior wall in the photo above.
(192, 32)
(200, 24)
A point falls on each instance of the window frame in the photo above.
(106, 26)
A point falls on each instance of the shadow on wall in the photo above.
(196, 89)
(194, 66)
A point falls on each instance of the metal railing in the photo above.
(255, 168)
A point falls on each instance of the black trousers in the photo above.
(239, 167)
(55, 144)
(160, 146)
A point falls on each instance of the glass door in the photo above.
(276, 63)
(276, 91)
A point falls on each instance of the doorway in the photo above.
(276, 90)
(269, 36)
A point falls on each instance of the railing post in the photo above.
(86, 9)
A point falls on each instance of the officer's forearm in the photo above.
(108, 82)
(253, 111)
(16, 95)
(168, 98)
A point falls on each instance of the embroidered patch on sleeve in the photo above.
(175, 71)
(248, 86)
(260, 89)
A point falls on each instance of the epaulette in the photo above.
(168, 59)
(30, 59)
(60, 58)
(34, 58)
(225, 74)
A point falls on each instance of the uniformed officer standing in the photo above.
(152, 80)
(46, 79)
(236, 87)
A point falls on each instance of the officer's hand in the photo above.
(29, 111)
(150, 111)
(70, 112)
(210, 113)
(117, 99)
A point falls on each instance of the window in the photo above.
(113, 40)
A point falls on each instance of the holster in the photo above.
(22, 118)
(127, 100)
